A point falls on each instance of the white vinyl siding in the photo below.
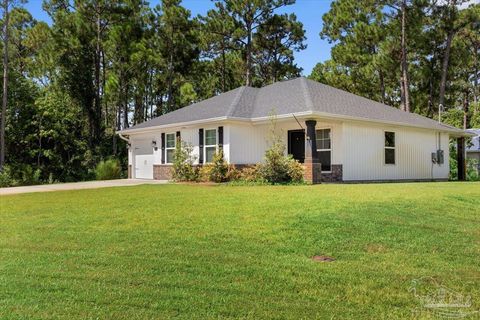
(364, 153)
(247, 143)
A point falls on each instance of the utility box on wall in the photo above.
(440, 157)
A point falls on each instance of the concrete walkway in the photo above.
(79, 185)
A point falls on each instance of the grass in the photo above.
(189, 252)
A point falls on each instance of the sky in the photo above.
(309, 12)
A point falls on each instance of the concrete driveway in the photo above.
(79, 185)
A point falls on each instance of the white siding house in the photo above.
(356, 139)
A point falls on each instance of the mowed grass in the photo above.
(212, 252)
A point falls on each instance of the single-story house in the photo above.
(473, 150)
(338, 136)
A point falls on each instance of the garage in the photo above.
(143, 154)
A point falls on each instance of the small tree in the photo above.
(183, 168)
(108, 170)
(278, 168)
(218, 170)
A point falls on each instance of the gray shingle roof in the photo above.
(287, 97)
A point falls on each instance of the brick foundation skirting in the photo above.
(336, 175)
(162, 171)
(312, 172)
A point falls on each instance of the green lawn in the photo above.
(183, 251)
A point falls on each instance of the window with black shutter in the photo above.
(200, 145)
(220, 138)
(163, 148)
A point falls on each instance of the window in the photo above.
(324, 149)
(389, 147)
(210, 144)
(170, 147)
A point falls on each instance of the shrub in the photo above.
(108, 170)
(295, 170)
(183, 169)
(217, 171)
(233, 174)
(29, 176)
(275, 168)
(250, 174)
(472, 170)
(6, 178)
(278, 168)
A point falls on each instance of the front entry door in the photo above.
(296, 144)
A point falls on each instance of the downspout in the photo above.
(129, 167)
(123, 138)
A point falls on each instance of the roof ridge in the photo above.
(306, 93)
(235, 101)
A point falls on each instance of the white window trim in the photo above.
(205, 146)
(331, 146)
(392, 148)
(170, 148)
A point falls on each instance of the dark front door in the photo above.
(296, 144)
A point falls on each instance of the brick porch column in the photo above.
(461, 165)
(313, 170)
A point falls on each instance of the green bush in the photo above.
(108, 170)
(471, 166)
(295, 170)
(183, 168)
(6, 178)
(29, 176)
(251, 174)
(233, 174)
(278, 168)
(472, 170)
(218, 170)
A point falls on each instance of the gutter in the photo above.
(123, 138)
(180, 124)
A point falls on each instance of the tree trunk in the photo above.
(248, 73)
(475, 78)
(125, 108)
(445, 63)
(170, 83)
(104, 79)
(405, 86)
(465, 111)
(5, 84)
(431, 93)
(98, 107)
(382, 86)
(224, 65)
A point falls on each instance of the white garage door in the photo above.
(144, 161)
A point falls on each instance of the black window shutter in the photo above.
(220, 138)
(163, 148)
(178, 136)
(200, 144)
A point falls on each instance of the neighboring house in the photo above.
(473, 151)
(339, 136)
